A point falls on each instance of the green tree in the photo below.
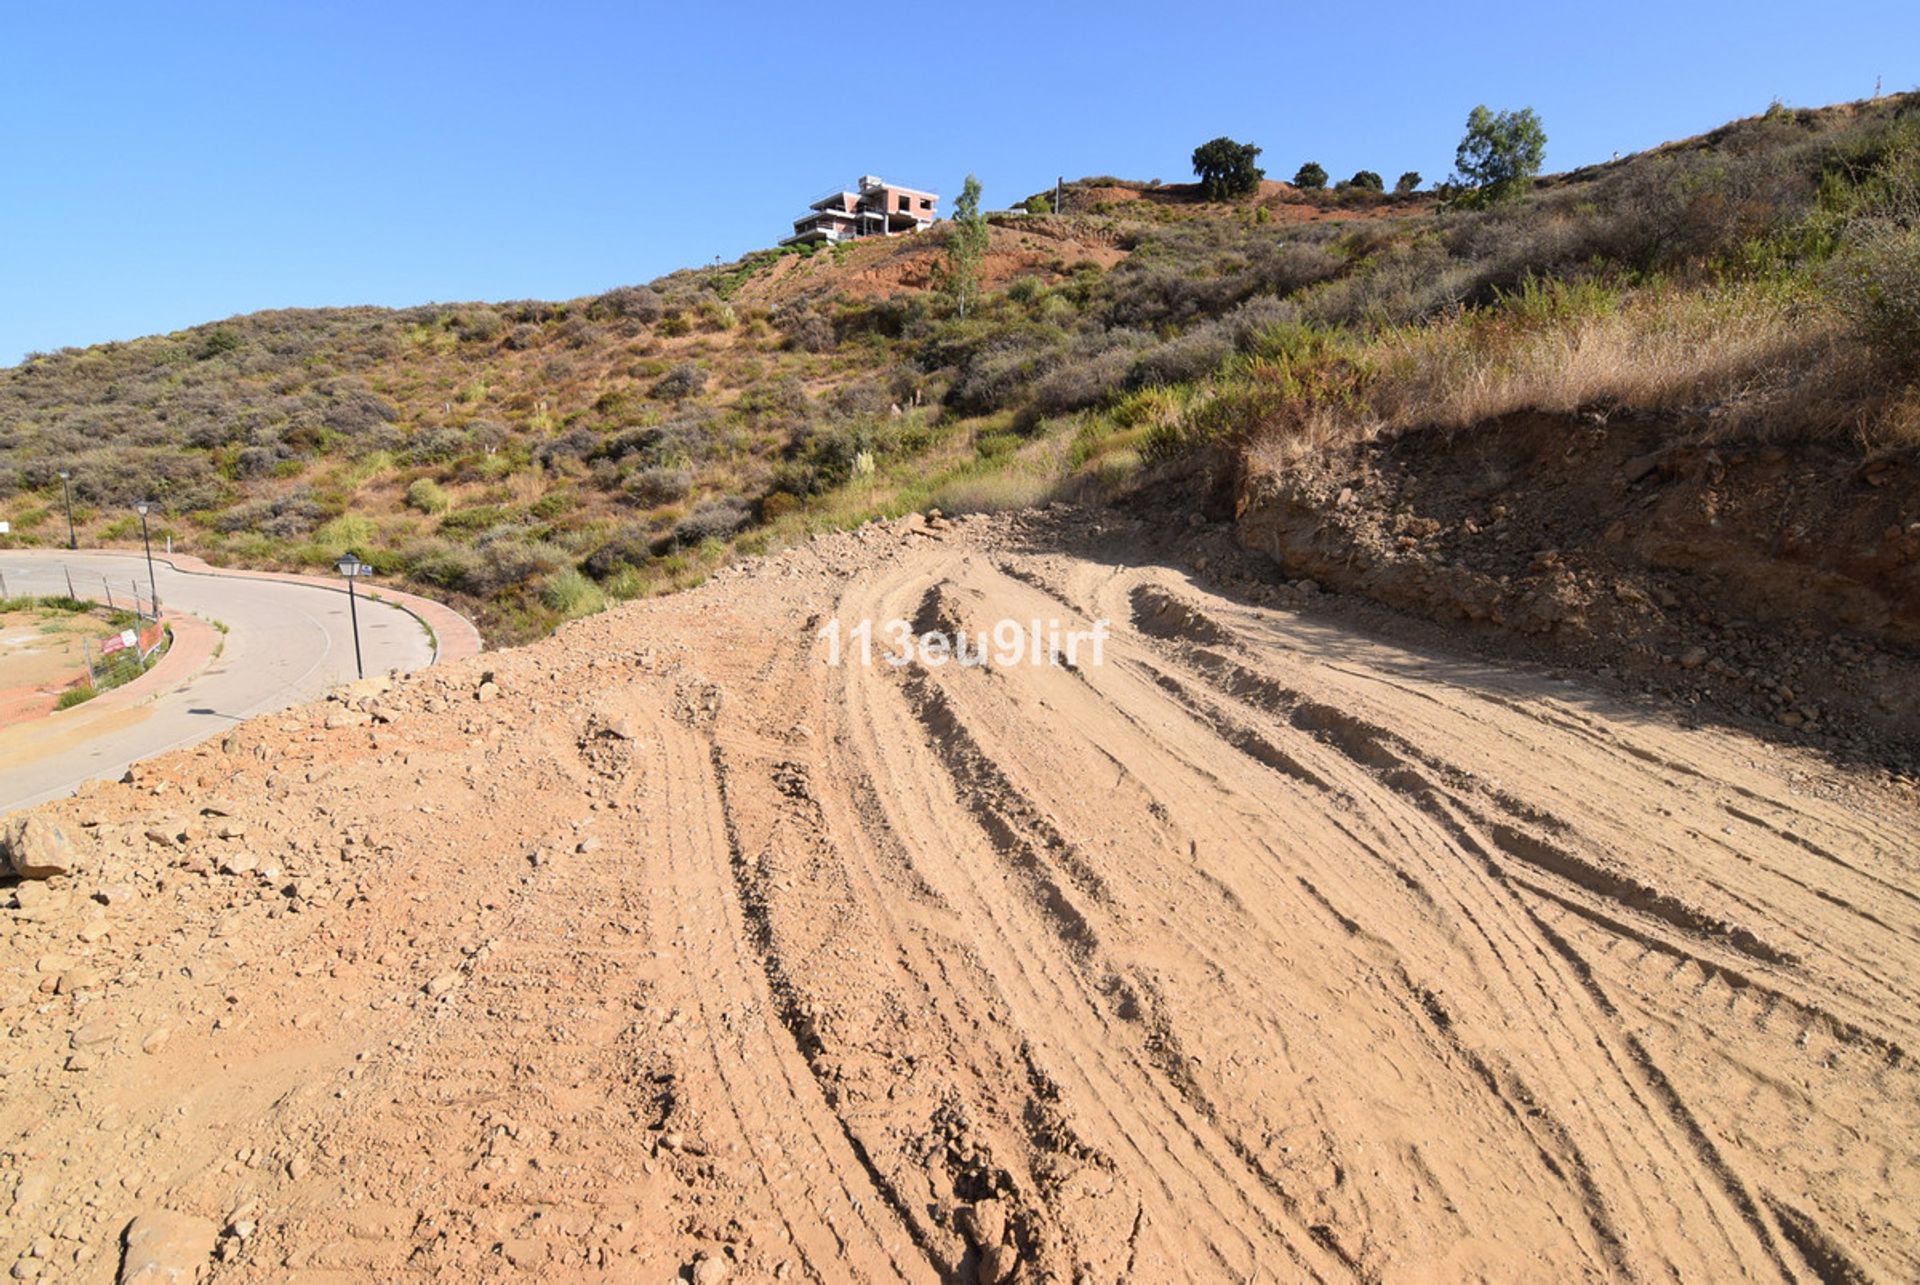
(1500, 154)
(1039, 205)
(1408, 182)
(1226, 169)
(1368, 181)
(1310, 176)
(966, 246)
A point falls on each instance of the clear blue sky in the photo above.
(171, 164)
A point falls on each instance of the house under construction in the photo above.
(875, 208)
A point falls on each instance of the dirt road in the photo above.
(1258, 949)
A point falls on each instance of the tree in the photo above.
(1310, 176)
(1037, 204)
(1408, 182)
(1226, 169)
(966, 245)
(1501, 153)
(1367, 181)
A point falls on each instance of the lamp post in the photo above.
(153, 590)
(66, 490)
(352, 568)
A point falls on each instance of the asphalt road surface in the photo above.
(286, 643)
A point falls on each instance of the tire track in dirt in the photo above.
(1259, 948)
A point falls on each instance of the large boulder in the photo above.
(166, 1246)
(35, 847)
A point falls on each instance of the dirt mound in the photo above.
(1254, 946)
(1773, 584)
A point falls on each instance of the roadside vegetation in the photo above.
(77, 618)
(535, 461)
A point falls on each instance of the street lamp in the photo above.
(352, 568)
(153, 590)
(66, 489)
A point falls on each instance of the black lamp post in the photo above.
(66, 490)
(352, 568)
(153, 590)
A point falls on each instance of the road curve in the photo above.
(286, 642)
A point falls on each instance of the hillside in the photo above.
(533, 460)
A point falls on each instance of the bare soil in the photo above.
(1777, 588)
(41, 655)
(1270, 946)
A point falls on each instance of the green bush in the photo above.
(75, 696)
(348, 531)
(571, 594)
(1039, 205)
(429, 497)
(1408, 182)
(1368, 181)
(1880, 289)
(1310, 177)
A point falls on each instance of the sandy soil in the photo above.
(1263, 948)
(40, 656)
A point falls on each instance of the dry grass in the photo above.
(1749, 361)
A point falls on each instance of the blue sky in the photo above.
(172, 164)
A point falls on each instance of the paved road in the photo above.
(287, 643)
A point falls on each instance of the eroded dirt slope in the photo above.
(1261, 949)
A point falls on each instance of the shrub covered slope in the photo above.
(534, 460)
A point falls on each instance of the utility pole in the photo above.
(1059, 192)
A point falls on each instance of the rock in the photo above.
(36, 848)
(232, 830)
(984, 1223)
(1693, 658)
(32, 1189)
(78, 979)
(442, 984)
(161, 835)
(114, 894)
(240, 863)
(997, 1264)
(163, 1245)
(156, 1040)
(95, 1034)
(710, 1270)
